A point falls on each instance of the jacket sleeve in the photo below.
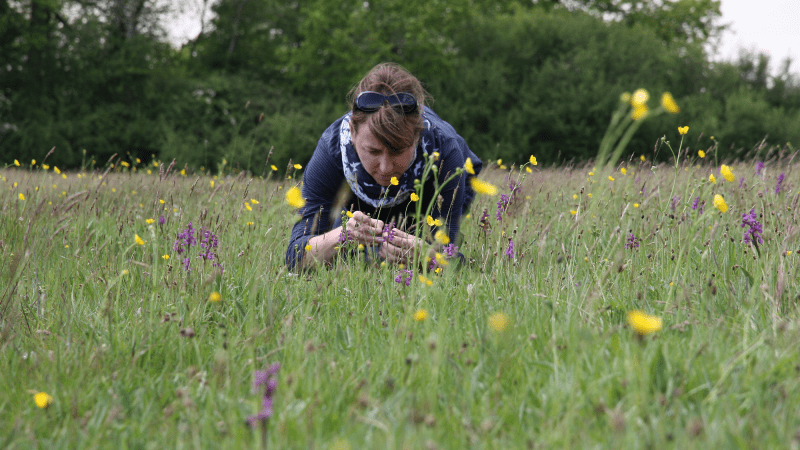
(321, 180)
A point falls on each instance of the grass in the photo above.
(135, 355)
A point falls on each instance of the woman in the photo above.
(387, 135)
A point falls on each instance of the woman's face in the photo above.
(378, 160)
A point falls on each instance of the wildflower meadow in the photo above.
(636, 305)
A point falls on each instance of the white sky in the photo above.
(769, 26)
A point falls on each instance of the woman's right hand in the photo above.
(364, 229)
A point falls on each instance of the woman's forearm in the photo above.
(323, 249)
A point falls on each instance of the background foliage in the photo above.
(513, 77)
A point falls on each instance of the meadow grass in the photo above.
(135, 354)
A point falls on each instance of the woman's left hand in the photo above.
(400, 250)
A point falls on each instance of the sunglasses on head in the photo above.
(370, 101)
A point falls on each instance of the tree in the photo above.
(674, 21)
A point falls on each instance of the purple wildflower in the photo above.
(388, 232)
(162, 220)
(185, 239)
(759, 167)
(208, 243)
(632, 242)
(698, 205)
(674, 203)
(510, 249)
(484, 223)
(779, 185)
(267, 378)
(450, 250)
(502, 205)
(404, 276)
(344, 236)
(741, 182)
(753, 234)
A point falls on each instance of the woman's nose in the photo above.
(384, 164)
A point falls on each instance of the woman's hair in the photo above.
(396, 130)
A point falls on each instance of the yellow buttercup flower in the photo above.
(644, 323)
(482, 187)
(623, 170)
(215, 297)
(349, 214)
(431, 221)
(360, 247)
(468, 167)
(274, 169)
(499, 322)
(149, 221)
(253, 201)
(641, 157)
(420, 315)
(720, 204)
(669, 104)
(435, 156)
(298, 166)
(499, 162)
(414, 197)
(441, 237)
(701, 153)
(21, 196)
(247, 206)
(635, 205)
(712, 178)
(16, 163)
(307, 247)
(610, 178)
(426, 281)
(533, 160)
(640, 97)
(639, 111)
(683, 130)
(726, 172)
(138, 239)
(394, 181)
(573, 212)
(294, 198)
(165, 257)
(528, 169)
(43, 400)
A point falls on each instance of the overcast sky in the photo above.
(770, 26)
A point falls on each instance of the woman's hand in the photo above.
(400, 250)
(364, 229)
